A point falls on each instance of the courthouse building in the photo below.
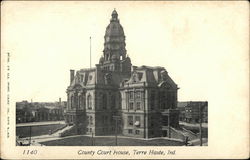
(140, 101)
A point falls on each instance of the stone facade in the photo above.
(141, 98)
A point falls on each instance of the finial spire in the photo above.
(114, 15)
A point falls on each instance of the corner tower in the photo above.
(114, 54)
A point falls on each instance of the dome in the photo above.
(114, 28)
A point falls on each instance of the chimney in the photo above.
(60, 101)
(72, 75)
(133, 68)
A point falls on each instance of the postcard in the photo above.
(124, 79)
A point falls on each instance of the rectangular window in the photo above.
(138, 95)
(131, 105)
(131, 95)
(90, 129)
(130, 131)
(137, 132)
(152, 100)
(138, 105)
(90, 120)
(130, 120)
(81, 78)
(137, 121)
(105, 119)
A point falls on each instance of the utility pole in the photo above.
(200, 115)
(30, 135)
(116, 118)
(116, 132)
(169, 128)
(92, 139)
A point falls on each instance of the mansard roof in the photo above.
(154, 76)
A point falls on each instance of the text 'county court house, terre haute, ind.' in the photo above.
(116, 97)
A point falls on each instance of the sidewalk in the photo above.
(39, 123)
(196, 142)
(38, 139)
(204, 125)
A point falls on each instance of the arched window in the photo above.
(163, 99)
(79, 101)
(71, 102)
(104, 101)
(83, 101)
(90, 120)
(76, 102)
(152, 106)
(120, 101)
(113, 102)
(89, 102)
(169, 99)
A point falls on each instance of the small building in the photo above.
(181, 107)
(24, 114)
(191, 111)
(40, 111)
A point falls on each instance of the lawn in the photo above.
(110, 141)
(37, 130)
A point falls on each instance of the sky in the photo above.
(201, 45)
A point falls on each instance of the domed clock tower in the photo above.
(114, 54)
